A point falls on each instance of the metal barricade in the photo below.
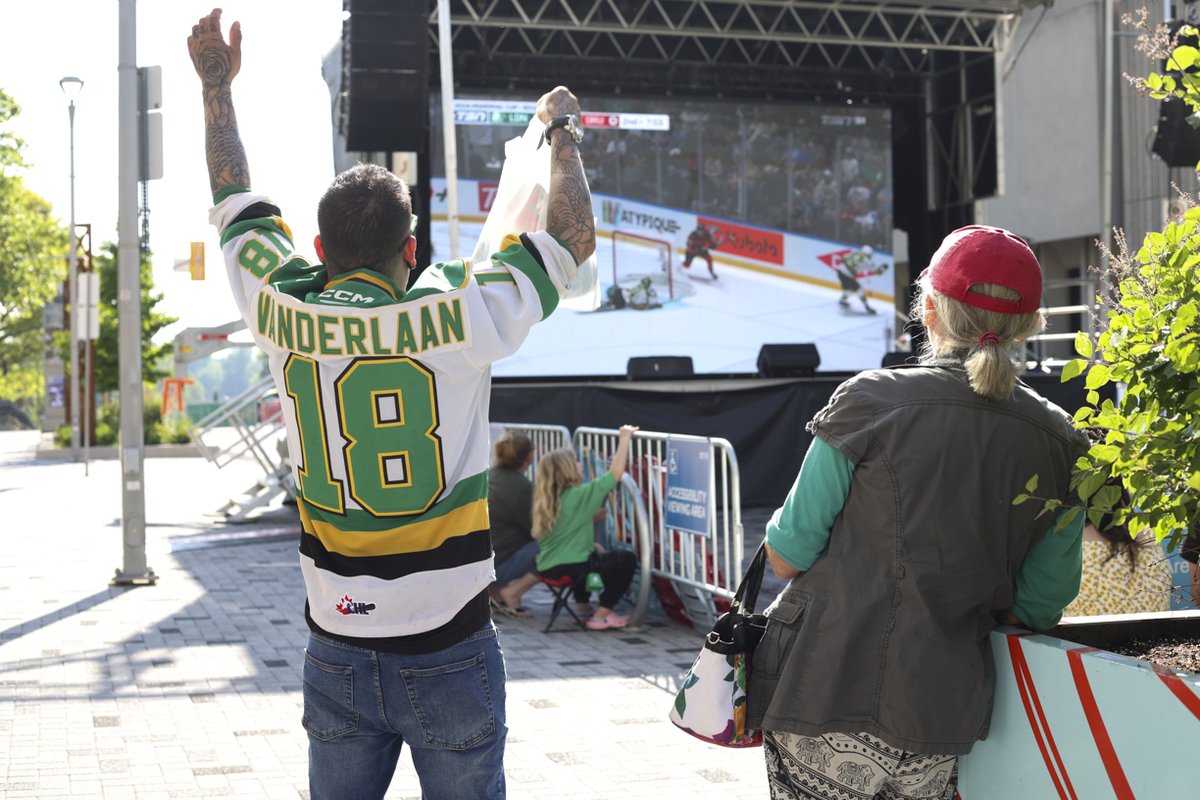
(700, 567)
(246, 426)
(545, 438)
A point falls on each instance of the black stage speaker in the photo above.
(659, 368)
(788, 360)
(386, 76)
(1175, 141)
(897, 358)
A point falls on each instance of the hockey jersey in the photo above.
(385, 398)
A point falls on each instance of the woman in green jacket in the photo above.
(563, 511)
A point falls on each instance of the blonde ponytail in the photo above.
(992, 362)
(556, 472)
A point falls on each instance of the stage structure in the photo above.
(933, 63)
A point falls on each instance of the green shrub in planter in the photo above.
(176, 431)
(106, 435)
(1151, 436)
(62, 436)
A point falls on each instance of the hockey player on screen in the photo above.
(851, 268)
(699, 242)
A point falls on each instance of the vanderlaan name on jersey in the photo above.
(385, 402)
(301, 331)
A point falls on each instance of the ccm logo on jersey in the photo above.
(348, 606)
(344, 296)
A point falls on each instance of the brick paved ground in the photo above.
(191, 688)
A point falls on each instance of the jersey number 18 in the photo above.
(387, 414)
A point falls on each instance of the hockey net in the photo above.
(636, 257)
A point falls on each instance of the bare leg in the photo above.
(510, 595)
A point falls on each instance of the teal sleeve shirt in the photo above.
(1050, 575)
(799, 531)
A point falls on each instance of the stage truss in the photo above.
(938, 59)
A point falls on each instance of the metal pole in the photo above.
(449, 134)
(1106, 143)
(87, 382)
(129, 308)
(73, 282)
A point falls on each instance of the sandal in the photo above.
(613, 620)
(509, 611)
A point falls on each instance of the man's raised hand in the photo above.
(216, 62)
(556, 102)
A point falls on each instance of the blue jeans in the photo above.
(522, 562)
(361, 706)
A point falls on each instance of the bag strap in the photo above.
(746, 596)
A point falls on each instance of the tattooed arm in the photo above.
(217, 63)
(569, 215)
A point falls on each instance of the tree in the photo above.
(154, 356)
(33, 248)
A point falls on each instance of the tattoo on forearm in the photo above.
(569, 216)
(223, 146)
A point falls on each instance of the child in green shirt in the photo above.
(563, 511)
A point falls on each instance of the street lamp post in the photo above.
(71, 87)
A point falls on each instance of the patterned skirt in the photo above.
(841, 766)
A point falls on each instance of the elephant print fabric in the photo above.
(842, 766)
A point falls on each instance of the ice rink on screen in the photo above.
(721, 326)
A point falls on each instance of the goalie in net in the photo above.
(644, 273)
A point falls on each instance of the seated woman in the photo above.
(510, 501)
(563, 511)
(1121, 575)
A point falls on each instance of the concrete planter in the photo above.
(1071, 720)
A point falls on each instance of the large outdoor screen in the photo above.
(792, 203)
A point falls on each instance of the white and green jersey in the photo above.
(385, 398)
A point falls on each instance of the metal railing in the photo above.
(546, 439)
(237, 429)
(1038, 348)
(699, 567)
(251, 433)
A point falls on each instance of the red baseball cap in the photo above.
(982, 254)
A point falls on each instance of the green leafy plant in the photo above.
(1147, 440)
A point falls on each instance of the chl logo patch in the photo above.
(348, 606)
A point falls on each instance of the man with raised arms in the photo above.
(385, 398)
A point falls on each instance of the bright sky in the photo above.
(282, 104)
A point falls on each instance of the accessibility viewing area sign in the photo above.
(689, 485)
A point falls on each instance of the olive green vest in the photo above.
(887, 633)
